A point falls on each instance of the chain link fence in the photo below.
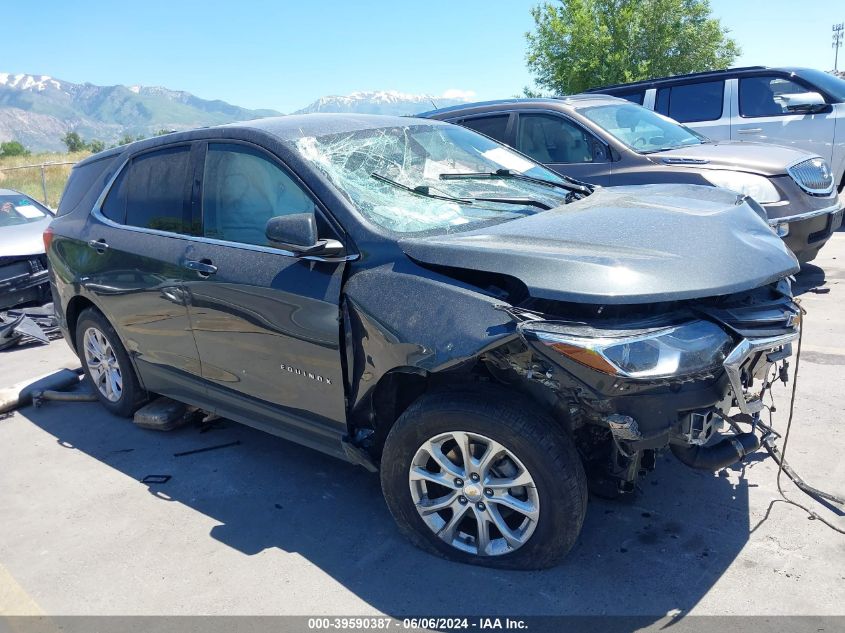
(42, 181)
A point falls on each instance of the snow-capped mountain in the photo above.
(385, 102)
(38, 110)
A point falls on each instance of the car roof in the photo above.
(12, 192)
(554, 102)
(284, 128)
(707, 74)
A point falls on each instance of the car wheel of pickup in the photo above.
(106, 364)
(484, 479)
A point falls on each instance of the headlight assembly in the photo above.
(758, 187)
(657, 352)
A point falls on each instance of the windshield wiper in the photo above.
(526, 202)
(424, 190)
(419, 190)
(571, 185)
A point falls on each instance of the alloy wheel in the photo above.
(103, 365)
(474, 493)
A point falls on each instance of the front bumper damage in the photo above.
(23, 280)
(620, 423)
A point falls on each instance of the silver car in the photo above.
(23, 265)
(609, 141)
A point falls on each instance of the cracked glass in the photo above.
(362, 164)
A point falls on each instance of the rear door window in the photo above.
(688, 103)
(551, 139)
(495, 127)
(152, 192)
(762, 96)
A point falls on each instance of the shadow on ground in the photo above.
(659, 552)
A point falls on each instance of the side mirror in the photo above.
(297, 233)
(804, 102)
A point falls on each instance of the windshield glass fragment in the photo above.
(392, 177)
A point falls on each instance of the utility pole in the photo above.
(837, 42)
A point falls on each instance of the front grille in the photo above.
(813, 176)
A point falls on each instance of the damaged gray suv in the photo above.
(416, 298)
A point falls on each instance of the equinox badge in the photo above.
(305, 374)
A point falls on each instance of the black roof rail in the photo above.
(646, 82)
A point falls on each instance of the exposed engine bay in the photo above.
(634, 380)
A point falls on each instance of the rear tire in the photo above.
(107, 365)
(533, 488)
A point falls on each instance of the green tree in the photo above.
(581, 44)
(13, 148)
(96, 146)
(73, 142)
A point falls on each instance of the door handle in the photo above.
(98, 245)
(203, 267)
(750, 130)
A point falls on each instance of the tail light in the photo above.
(48, 238)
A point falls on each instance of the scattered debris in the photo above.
(20, 395)
(26, 325)
(38, 397)
(820, 290)
(162, 414)
(207, 448)
(156, 479)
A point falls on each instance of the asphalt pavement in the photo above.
(267, 527)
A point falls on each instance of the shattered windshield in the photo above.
(641, 129)
(392, 176)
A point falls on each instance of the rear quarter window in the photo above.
(82, 179)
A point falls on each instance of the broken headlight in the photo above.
(656, 352)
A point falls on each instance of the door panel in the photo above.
(136, 279)
(266, 323)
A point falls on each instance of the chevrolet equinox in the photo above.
(413, 297)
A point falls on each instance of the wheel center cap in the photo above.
(473, 492)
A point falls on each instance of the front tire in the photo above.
(484, 479)
(107, 365)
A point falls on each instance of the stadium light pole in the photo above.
(837, 42)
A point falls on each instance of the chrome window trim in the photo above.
(804, 216)
(97, 212)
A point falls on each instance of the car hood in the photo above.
(624, 245)
(757, 158)
(23, 239)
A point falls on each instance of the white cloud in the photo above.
(457, 93)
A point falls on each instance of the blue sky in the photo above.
(285, 54)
